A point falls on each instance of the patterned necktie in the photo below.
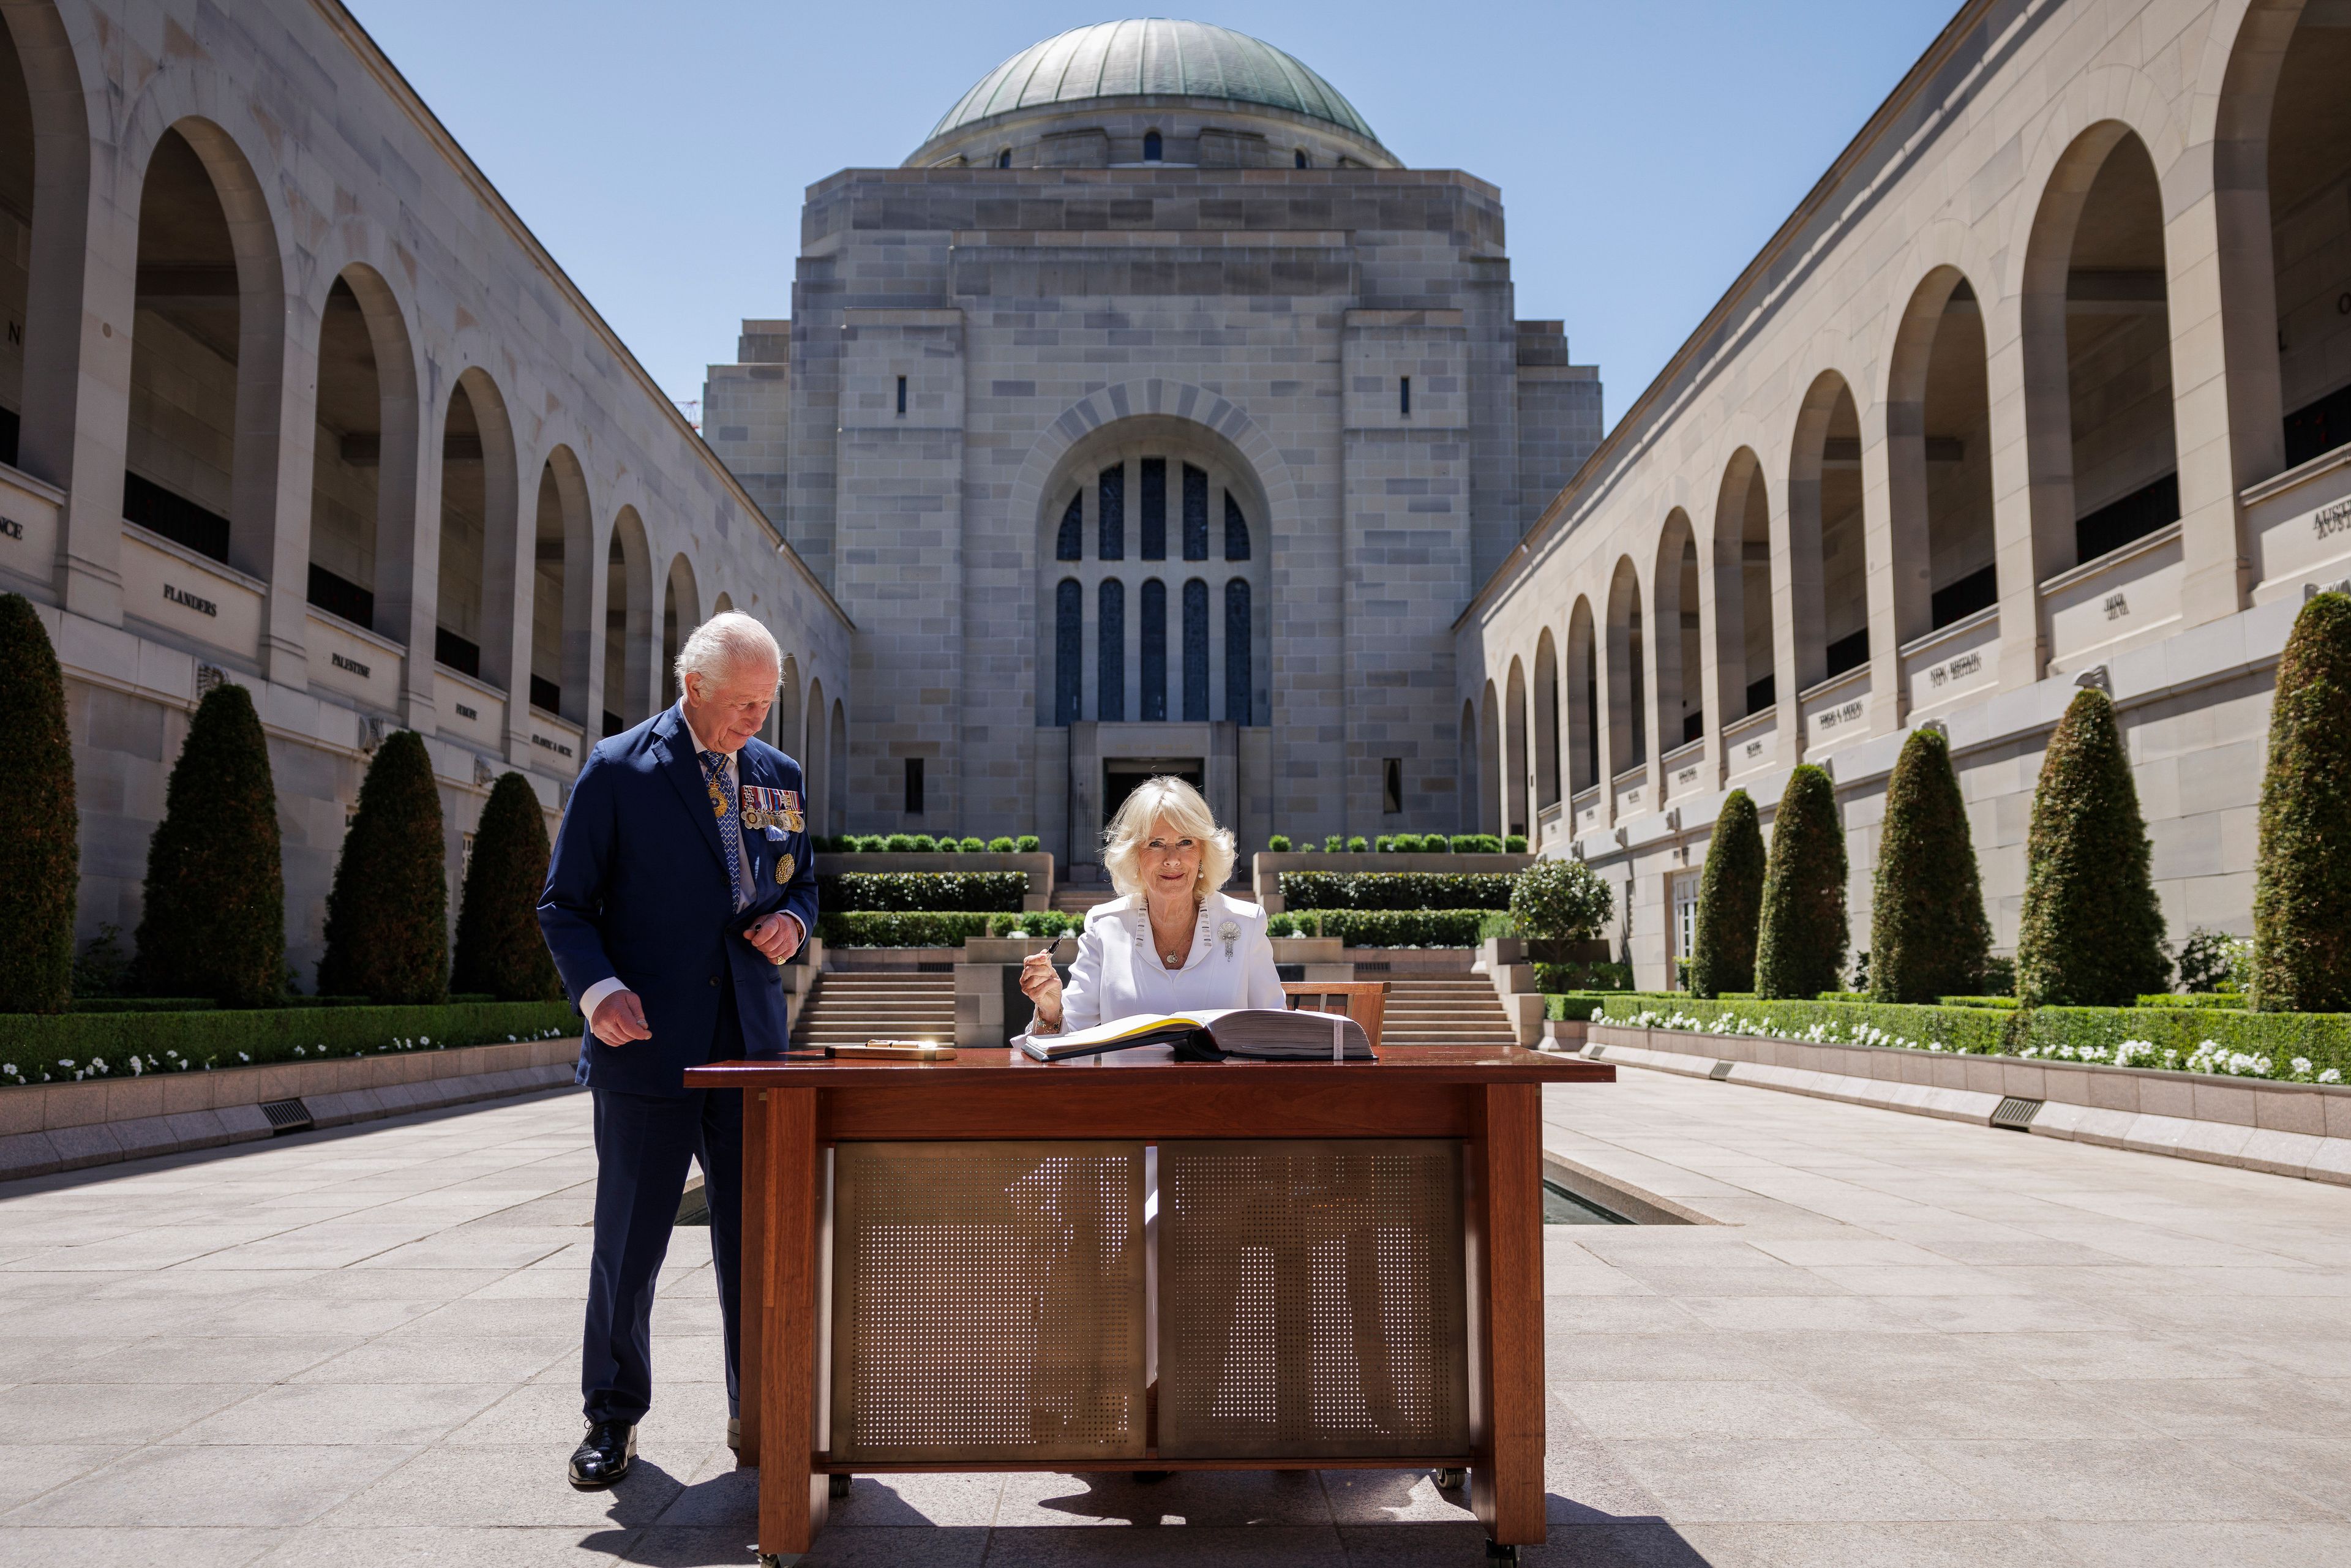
(730, 817)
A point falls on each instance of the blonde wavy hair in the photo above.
(1178, 804)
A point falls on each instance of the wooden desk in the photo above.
(1491, 1099)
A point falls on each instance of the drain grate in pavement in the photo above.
(286, 1116)
(1721, 1070)
(2016, 1114)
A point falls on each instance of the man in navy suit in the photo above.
(681, 880)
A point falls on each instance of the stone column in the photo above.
(1894, 553)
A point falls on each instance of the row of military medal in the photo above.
(764, 808)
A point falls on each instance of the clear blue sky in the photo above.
(1644, 151)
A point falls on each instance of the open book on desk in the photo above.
(1211, 1034)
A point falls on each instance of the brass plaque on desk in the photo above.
(1311, 1299)
(988, 1302)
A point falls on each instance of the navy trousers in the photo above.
(643, 1144)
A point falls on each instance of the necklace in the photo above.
(1172, 956)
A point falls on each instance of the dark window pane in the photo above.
(181, 520)
(1195, 652)
(341, 596)
(914, 786)
(1761, 693)
(1151, 147)
(1195, 514)
(1958, 601)
(612, 725)
(2137, 514)
(457, 652)
(1155, 508)
(1693, 724)
(2317, 427)
(1154, 649)
(8, 431)
(1391, 786)
(1110, 520)
(1110, 653)
(1237, 685)
(1072, 544)
(1068, 652)
(1236, 541)
(546, 696)
(1847, 652)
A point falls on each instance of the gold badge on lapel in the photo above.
(784, 865)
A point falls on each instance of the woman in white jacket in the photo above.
(1169, 942)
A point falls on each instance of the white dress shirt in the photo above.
(1118, 971)
(593, 997)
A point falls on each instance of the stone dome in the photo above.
(1151, 57)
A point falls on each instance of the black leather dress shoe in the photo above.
(602, 1456)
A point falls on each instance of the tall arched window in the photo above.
(1195, 513)
(1151, 147)
(1237, 685)
(1111, 517)
(1195, 652)
(1110, 653)
(1237, 539)
(1153, 480)
(1299, 156)
(1072, 544)
(1068, 652)
(1004, 159)
(1154, 651)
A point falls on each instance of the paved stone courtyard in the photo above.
(1909, 1343)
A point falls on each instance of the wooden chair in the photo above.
(1365, 1001)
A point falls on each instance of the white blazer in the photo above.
(1118, 974)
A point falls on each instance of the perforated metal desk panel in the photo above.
(1387, 1153)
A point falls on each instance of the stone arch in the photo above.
(1516, 819)
(1938, 458)
(681, 612)
(1472, 780)
(55, 172)
(1489, 761)
(1546, 722)
(2094, 316)
(562, 594)
(784, 718)
(630, 682)
(474, 602)
(365, 419)
(1583, 703)
(1626, 732)
(836, 768)
(1674, 634)
(1742, 566)
(1828, 568)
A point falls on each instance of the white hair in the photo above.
(1178, 804)
(724, 644)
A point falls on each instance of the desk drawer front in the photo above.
(988, 1302)
(1312, 1301)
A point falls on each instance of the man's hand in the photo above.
(777, 936)
(620, 1018)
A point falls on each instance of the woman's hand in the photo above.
(1043, 987)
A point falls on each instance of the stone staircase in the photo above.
(851, 1007)
(1077, 900)
(1445, 1009)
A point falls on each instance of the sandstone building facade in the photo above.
(291, 398)
(2046, 383)
(1153, 416)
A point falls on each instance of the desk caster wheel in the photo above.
(1498, 1552)
(1449, 1478)
(836, 1487)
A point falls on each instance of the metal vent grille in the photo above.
(1311, 1299)
(287, 1116)
(1719, 1070)
(2016, 1114)
(988, 1302)
(1594, 1052)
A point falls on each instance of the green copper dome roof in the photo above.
(1153, 56)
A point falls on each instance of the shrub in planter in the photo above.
(40, 856)
(1568, 977)
(1357, 845)
(1514, 843)
(898, 843)
(109, 1044)
(949, 846)
(1476, 844)
(1030, 844)
(1556, 902)
(939, 892)
(2092, 932)
(215, 924)
(1390, 927)
(1800, 943)
(1927, 935)
(999, 845)
(1278, 844)
(2302, 893)
(2215, 961)
(1729, 902)
(388, 913)
(973, 845)
(500, 951)
(932, 928)
(1396, 890)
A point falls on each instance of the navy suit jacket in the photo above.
(637, 888)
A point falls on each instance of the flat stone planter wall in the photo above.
(48, 1128)
(1037, 867)
(2289, 1129)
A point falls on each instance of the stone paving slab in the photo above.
(1903, 1343)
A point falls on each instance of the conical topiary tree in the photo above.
(1729, 902)
(499, 949)
(41, 857)
(2092, 935)
(1801, 942)
(214, 922)
(1927, 936)
(388, 915)
(2302, 888)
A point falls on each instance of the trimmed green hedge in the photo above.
(937, 892)
(63, 1048)
(2196, 1001)
(934, 928)
(1575, 1005)
(1601, 977)
(1397, 889)
(920, 843)
(2296, 1046)
(1386, 927)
